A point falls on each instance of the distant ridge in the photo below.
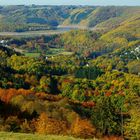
(41, 17)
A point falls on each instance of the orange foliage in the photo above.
(25, 92)
(7, 94)
(108, 93)
(82, 128)
(46, 125)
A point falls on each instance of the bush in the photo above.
(25, 127)
(13, 122)
(5, 128)
(82, 128)
(47, 125)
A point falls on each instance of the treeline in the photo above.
(20, 27)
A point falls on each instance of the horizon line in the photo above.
(63, 5)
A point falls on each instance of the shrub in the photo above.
(46, 125)
(82, 128)
(13, 122)
(25, 127)
(5, 127)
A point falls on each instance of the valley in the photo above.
(69, 72)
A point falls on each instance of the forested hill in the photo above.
(32, 17)
(23, 18)
(81, 83)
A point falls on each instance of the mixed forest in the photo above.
(82, 83)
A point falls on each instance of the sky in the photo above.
(71, 2)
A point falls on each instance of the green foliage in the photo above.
(29, 18)
(132, 125)
(79, 41)
(134, 67)
(26, 64)
(88, 72)
(107, 114)
(104, 17)
(79, 89)
(25, 18)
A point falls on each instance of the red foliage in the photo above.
(88, 104)
(108, 93)
(112, 138)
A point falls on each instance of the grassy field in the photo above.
(32, 33)
(57, 51)
(51, 52)
(22, 136)
(31, 54)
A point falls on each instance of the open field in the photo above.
(32, 33)
(58, 51)
(51, 52)
(28, 54)
(59, 30)
(22, 136)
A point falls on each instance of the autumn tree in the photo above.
(82, 128)
(47, 125)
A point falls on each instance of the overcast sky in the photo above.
(71, 2)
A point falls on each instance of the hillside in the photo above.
(32, 17)
(47, 17)
(126, 35)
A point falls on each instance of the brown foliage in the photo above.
(49, 97)
(4, 127)
(13, 122)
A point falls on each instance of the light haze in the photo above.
(71, 2)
